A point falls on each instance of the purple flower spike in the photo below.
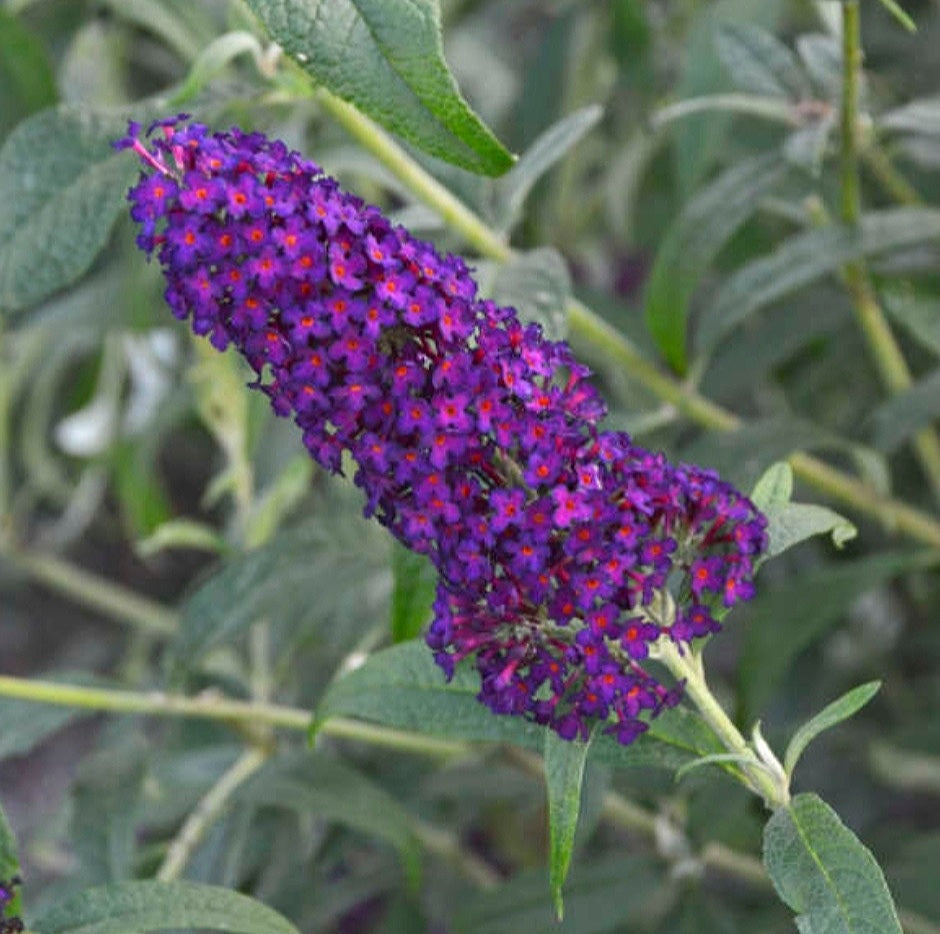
(476, 440)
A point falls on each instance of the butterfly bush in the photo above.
(564, 551)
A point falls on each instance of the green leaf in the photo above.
(157, 906)
(9, 860)
(902, 416)
(774, 488)
(824, 873)
(699, 139)
(322, 785)
(822, 56)
(538, 286)
(402, 687)
(759, 63)
(415, 582)
(104, 817)
(315, 572)
(843, 708)
(695, 238)
(918, 315)
(564, 774)
(601, 897)
(898, 12)
(805, 257)
(27, 82)
(784, 621)
(549, 147)
(385, 57)
(143, 502)
(62, 187)
(792, 523)
(278, 499)
(921, 116)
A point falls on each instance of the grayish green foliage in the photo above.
(804, 257)
(155, 906)
(896, 420)
(694, 240)
(62, 187)
(564, 774)
(385, 57)
(841, 709)
(759, 63)
(328, 788)
(538, 286)
(824, 873)
(402, 687)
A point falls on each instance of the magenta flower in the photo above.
(476, 439)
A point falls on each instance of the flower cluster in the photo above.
(476, 440)
(12, 924)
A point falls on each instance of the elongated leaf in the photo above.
(760, 63)
(917, 116)
(27, 82)
(695, 238)
(805, 257)
(402, 687)
(304, 574)
(841, 709)
(104, 813)
(894, 421)
(898, 12)
(62, 187)
(785, 621)
(415, 581)
(824, 872)
(601, 897)
(564, 773)
(551, 146)
(538, 286)
(385, 57)
(157, 906)
(699, 138)
(328, 788)
(918, 315)
(9, 860)
(822, 56)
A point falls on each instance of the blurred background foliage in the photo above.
(682, 174)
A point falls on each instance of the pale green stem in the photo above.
(208, 811)
(97, 593)
(587, 328)
(882, 345)
(211, 706)
(759, 775)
